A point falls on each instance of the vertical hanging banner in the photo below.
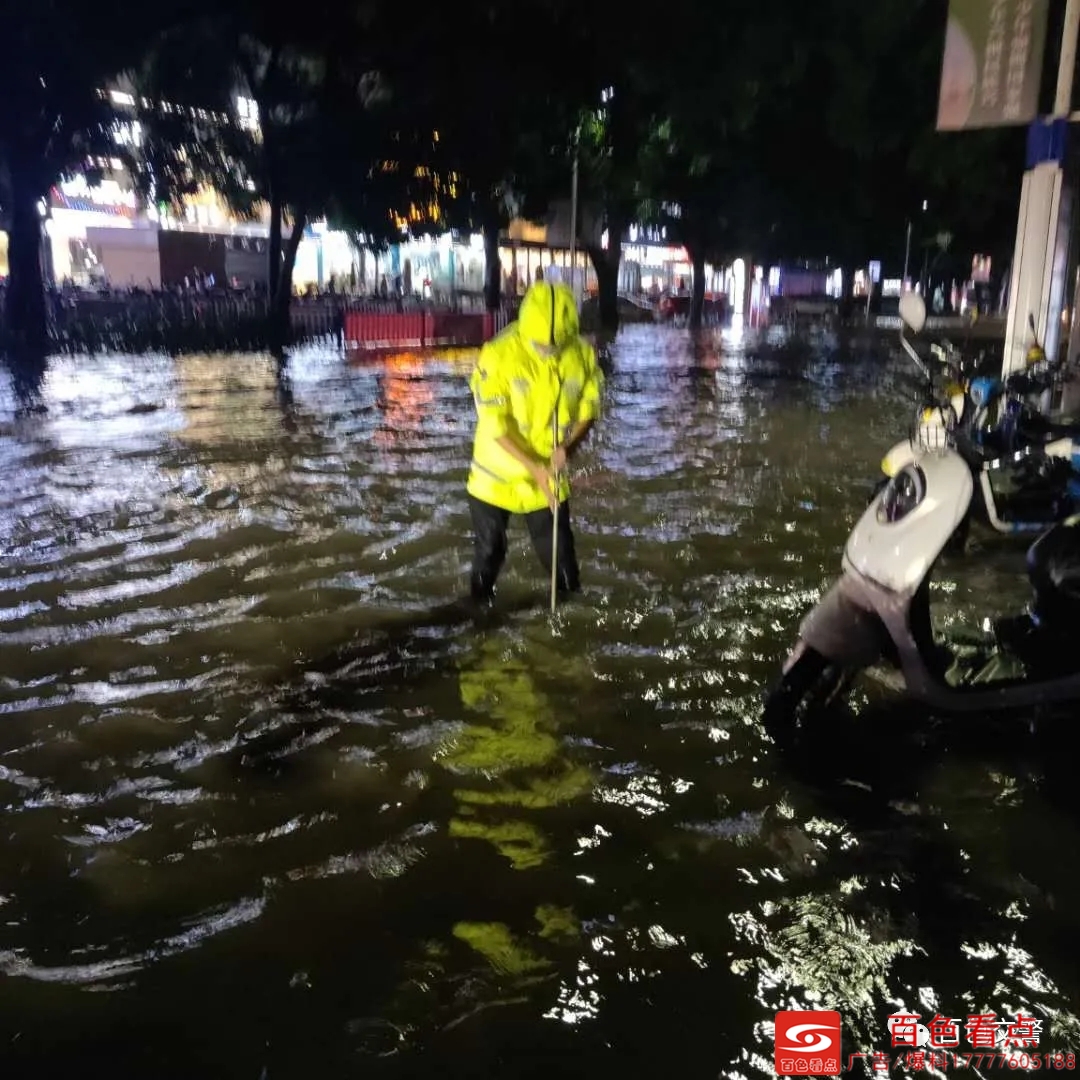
(992, 67)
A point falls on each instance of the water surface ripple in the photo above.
(275, 808)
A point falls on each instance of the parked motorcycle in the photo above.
(879, 608)
(1026, 467)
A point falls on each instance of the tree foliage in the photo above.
(55, 121)
(492, 110)
(320, 147)
(815, 139)
(779, 131)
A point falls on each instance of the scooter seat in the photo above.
(1043, 428)
(1054, 571)
(1044, 654)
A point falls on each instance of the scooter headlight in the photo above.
(901, 495)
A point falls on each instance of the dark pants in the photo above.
(489, 546)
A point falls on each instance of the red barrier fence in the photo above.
(494, 322)
(419, 329)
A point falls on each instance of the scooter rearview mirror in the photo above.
(913, 311)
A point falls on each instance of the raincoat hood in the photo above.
(548, 315)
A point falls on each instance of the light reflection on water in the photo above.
(263, 780)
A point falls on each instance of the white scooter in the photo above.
(879, 608)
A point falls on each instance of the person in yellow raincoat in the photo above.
(537, 369)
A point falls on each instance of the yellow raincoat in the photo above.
(517, 390)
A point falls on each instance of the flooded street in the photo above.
(274, 808)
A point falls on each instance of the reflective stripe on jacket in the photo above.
(517, 390)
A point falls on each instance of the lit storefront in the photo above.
(733, 286)
(100, 235)
(325, 255)
(468, 267)
(527, 253)
(650, 265)
(371, 268)
(443, 266)
(96, 235)
(522, 265)
(207, 243)
(656, 268)
(425, 266)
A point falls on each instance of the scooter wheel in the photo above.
(806, 689)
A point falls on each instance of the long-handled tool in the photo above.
(555, 513)
(555, 414)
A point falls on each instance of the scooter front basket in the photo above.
(934, 429)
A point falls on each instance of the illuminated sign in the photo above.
(106, 198)
(526, 232)
(654, 254)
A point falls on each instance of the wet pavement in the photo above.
(276, 808)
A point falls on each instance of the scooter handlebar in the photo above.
(1026, 383)
(907, 347)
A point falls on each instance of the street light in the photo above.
(605, 99)
(573, 215)
(907, 257)
(907, 248)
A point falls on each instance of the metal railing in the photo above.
(137, 321)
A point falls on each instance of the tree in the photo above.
(316, 148)
(57, 119)
(609, 144)
(492, 114)
(611, 132)
(669, 141)
(852, 153)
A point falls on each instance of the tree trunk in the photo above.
(25, 325)
(607, 286)
(606, 264)
(273, 244)
(623, 115)
(281, 298)
(846, 304)
(697, 299)
(492, 266)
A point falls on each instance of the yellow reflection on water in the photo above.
(511, 752)
(497, 945)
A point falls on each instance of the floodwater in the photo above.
(274, 810)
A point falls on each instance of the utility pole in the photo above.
(573, 215)
(1063, 106)
(1043, 225)
(1069, 34)
(907, 257)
